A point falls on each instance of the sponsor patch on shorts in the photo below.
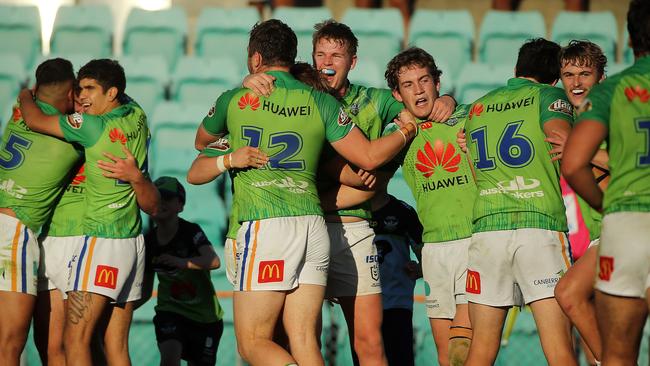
(473, 282)
(270, 271)
(606, 267)
(106, 276)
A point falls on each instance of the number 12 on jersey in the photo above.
(290, 144)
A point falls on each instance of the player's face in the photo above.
(578, 81)
(417, 90)
(330, 54)
(93, 98)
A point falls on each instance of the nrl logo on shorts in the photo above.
(561, 106)
(344, 119)
(374, 272)
(75, 120)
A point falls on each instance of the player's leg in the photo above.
(49, 320)
(440, 329)
(169, 337)
(170, 352)
(621, 321)
(574, 292)
(554, 332)
(487, 322)
(301, 315)
(460, 336)
(116, 338)
(363, 315)
(14, 325)
(397, 333)
(84, 310)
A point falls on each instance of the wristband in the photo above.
(228, 161)
(220, 164)
(403, 136)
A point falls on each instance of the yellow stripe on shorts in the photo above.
(89, 260)
(14, 258)
(567, 262)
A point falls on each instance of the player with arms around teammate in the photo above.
(618, 110)
(33, 172)
(519, 220)
(107, 268)
(440, 178)
(285, 245)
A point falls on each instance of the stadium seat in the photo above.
(83, 29)
(177, 115)
(447, 80)
(172, 149)
(368, 73)
(380, 32)
(20, 32)
(12, 77)
(222, 32)
(447, 35)
(201, 80)
(302, 21)
(628, 53)
(478, 79)
(146, 80)
(160, 32)
(503, 32)
(615, 68)
(397, 187)
(598, 27)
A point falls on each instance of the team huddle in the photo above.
(310, 156)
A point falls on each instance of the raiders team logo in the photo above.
(344, 119)
(211, 112)
(561, 106)
(221, 144)
(75, 120)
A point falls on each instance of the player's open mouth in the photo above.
(420, 102)
(578, 91)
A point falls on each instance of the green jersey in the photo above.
(219, 148)
(621, 103)
(115, 211)
(518, 184)
(440, 178)
(33, 169)
(371, 110)
(67, 218)
(290, 126)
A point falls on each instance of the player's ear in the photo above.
(397, 95)
(112, 93)
(354, 62)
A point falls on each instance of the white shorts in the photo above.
(624, 254)
(444, 268)
(354, 266)
(231, 256)
(110, 267)
(19, 256)
(499, 262)
(278, 254)
(56, 257)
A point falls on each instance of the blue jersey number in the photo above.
(290, 143)
(15, 148)
(644, 158)
(513, 149)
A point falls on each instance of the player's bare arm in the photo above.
(343, 196)
(204, 138)
(35, 118)
(206, 260)
(582, 145)
(126, 169)
(260, 83)
(205, 169)
(341, 171)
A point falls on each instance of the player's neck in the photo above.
(344, 89)
(528, 78)
(266, 68)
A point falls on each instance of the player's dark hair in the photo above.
(275, 42)
(539, 59)
(584, 54)
(53, 71)
(638, 26)
(336, 32)
(108, 73)
(410, 57)
(307, 74)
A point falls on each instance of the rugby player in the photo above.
(107, 268)
(519, 245)
(440, 178)
(617, 110)
(32, 180)
(285, 246)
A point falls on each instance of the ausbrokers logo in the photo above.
(430, 158)
(249, 99)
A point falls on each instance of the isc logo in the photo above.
(372, 258)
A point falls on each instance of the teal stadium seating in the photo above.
(20, 32)
(200, 80)
(503, 32)
(223, 32)
(12, 77)
(83, 29)
(380, 33)
(628, 53)
(447, 80)
(615, 68)
(598, 27)
(172, 114)
(448, 35)
(146, 80)
(478, 79)
(302, 21)
(160, 32)
(369, 74)
(397, 187)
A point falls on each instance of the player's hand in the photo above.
(557, 139)
(248, 156)
(413, 269)
(461, 140)
(260, 83)
(25, 94)
(368, 178)
(172, 261)
(125, 169)
(443, 107)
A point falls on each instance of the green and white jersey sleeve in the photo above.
(291, 126)
(33, 169)
(440, 178)
(68, 216)
(219, 148)
(622, 103)
(518, 185)
(113, 203)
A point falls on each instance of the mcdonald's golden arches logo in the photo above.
(270, 271)
(606, 267)
(106, 276)
(473, 284)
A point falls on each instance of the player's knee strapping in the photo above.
(458, 332)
